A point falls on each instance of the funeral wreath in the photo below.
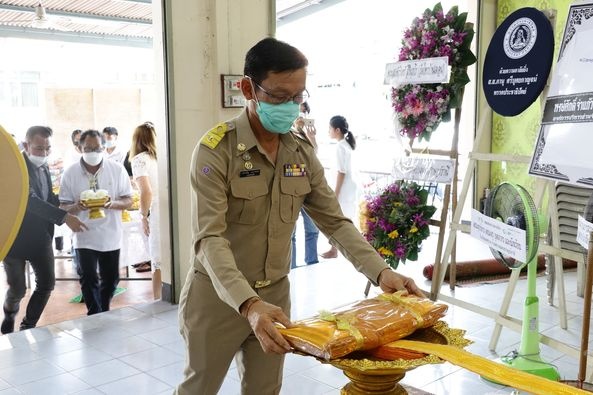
(421, 107)
(395, 221)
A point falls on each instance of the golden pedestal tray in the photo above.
(373, 376)
(96, 207)
(125, 216)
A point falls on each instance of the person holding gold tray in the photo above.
(100, 245)
(95, 201)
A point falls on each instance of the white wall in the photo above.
(204, 39)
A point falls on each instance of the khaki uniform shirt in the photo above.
(244, 210)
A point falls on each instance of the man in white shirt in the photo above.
(112, 150)
(101, 244)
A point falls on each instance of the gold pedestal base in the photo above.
(372, 376)
(96, 213)
(95, 207)
(367, 384)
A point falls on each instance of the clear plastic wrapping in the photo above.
(363, 325)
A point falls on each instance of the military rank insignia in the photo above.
(295, 170)
(216, 134)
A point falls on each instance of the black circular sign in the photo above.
(518, 61)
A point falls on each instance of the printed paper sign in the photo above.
(424, 168)
(583, 231)
(563, 147)
(496, 234)
(420, 71)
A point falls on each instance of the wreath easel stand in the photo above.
(458, 78)
(542, 186)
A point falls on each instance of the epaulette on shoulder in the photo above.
(216, 134)
(300, 138)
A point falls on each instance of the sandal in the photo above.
(144, 267)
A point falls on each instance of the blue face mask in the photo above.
(277, 118)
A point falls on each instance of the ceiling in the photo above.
(120, 22)
(123, 21)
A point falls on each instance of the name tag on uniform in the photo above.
(295, 170)
(249, 173)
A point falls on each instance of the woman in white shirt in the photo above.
(346, 187)
(144, 171)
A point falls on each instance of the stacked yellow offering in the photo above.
(363, 325)
(95, 201)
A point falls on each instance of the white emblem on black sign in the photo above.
(520, 38)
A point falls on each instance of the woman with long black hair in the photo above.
(346, 187)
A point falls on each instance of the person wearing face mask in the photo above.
(250, 177)
(34, 240)
(100, 245)
(112, 151)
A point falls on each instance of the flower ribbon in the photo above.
(344, 323)
(400, 297)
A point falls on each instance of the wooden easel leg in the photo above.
(504, 307)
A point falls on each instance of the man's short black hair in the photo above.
(91, 133)
(271, 55)
(33, 131)
(110, 130)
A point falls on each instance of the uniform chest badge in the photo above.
(295, 170)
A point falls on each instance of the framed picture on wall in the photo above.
(231, 91)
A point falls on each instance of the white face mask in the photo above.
(109, 143)
(92, 158)
(38, 161)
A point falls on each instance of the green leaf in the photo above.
(413, 254)
(467, 40)
(454, 10)
(393, 262)
(424, 232)
(459, 23)
(453, 103)
(429, 211)
(423, 195)
(438, 7)
(467, 58)
(447, 116)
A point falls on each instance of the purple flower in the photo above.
(400, 251)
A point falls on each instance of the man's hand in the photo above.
(390, 281)
(262, 316)
(74, 223)
(108, 203)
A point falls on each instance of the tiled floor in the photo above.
(138, 350)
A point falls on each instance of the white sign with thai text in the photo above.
(583, 231)
(424, 168)
(496, 234)
(420, 71)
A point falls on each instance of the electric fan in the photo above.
(512, 204)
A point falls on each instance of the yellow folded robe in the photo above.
(363, 325)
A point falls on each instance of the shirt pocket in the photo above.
(292, 194)
(247, 204)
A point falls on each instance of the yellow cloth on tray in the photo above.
(490, 369)
(363, 325)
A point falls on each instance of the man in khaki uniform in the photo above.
(250, 178)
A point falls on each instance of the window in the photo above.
(24, 89)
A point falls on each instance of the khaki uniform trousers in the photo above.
(214, 333)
